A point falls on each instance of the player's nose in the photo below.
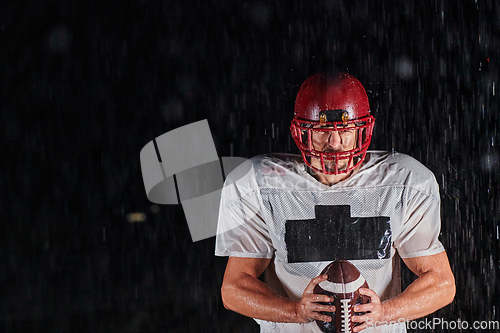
(334, 141)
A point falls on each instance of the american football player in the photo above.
(292, 215)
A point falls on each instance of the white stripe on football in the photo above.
(342, 288)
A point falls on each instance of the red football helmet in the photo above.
(327, 104)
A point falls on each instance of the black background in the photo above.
(85, 85)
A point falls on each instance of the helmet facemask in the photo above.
(311, 138)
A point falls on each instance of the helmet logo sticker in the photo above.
(345, 117)
(322, 119)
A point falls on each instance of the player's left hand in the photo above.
(374, 311)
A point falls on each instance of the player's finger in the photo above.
(370, 293)
(319, 316)
(360, 327)
(310, 287)
(363, 307)
(321, 298)
(324, 308)
(320, 307)
(360, 319)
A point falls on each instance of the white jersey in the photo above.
(271, 207)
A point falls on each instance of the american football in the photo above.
(343, 283)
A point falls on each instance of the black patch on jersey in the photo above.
(334, 234)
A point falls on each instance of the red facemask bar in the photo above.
(331, 162)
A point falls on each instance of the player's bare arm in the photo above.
(244, 293)
(433, 289)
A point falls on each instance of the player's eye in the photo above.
(346, 133)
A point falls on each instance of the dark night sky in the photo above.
(85, 85)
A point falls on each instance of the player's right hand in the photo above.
(309, 307)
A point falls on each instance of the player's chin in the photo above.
(330, 167)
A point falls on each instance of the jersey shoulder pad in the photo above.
(392, 168)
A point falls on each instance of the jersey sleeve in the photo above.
(422, 223)
(241, 229)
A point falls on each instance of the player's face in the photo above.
(334, 142)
